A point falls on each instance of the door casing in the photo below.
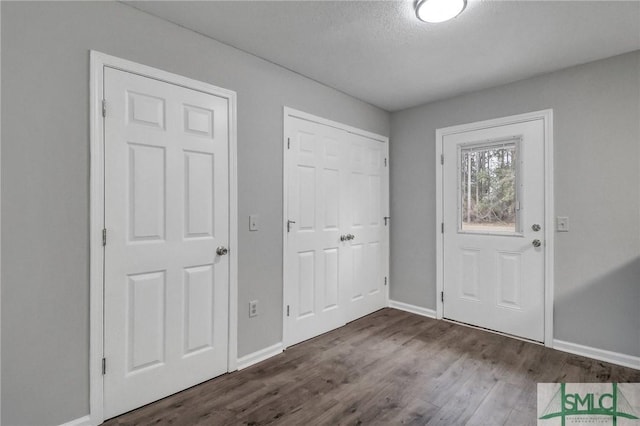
(98, 61)
(549, 229)
(292, 113)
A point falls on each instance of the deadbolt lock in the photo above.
(535, 227)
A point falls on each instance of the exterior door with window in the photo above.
(493, 211)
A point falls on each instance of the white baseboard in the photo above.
(425, 312)
(82, 421)
(600, 354)
(260, 355)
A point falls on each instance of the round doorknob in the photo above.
(344, 237)
(351, 236)
(536, 243)
(221, 251)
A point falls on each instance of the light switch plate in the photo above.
(562, 224)
(253, 222)
(253, 308)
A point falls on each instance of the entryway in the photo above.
(336, 229)
(164, 203)
(496, 226)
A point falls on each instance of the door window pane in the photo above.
(488, 188)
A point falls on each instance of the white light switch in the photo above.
(253, 222)
(562, 224)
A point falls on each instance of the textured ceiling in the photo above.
(379, 52)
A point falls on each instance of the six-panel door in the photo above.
(315, 208)
(365, 256)
(166, 211)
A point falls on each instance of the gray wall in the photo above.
(597, 184)
(45, 184)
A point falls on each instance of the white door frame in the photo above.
(96, 268)
(0, 239)
(547, 117)
(292, 113)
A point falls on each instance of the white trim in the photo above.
(0, 229)
(98, 61)
(96, 218)
(292, 113)
(599, 354)
(259, 356)
(286, 128)
(547, 117)
(549, 229)
(82, 421)
(419, 310)
(232, 356)
(387, 204)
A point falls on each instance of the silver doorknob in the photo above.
(221, 251)
(343, 238)
(351, 236)
(536, 243)
(535, 227)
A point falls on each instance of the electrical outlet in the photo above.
(253, 308)
(253, 222)
(562, 224)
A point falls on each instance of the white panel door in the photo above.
(315, 208)
(493, 209)
(365, 207)
(166, 211)
(336, 247)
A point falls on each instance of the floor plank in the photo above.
(389, 368)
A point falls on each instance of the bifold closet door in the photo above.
(315, 276)
(335, 238)
(365, 207)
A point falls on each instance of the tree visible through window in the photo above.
(488, 188)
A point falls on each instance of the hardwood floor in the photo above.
(389, 368)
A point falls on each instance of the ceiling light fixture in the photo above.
(435, 11)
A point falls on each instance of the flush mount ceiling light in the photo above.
(435, 11)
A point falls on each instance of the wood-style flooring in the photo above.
(389, 368)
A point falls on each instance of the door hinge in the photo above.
(385, 162)
(104, 366)
(104, 108)
(442, 296)
(104, 237)
(385, 280)
(287, 310)
(288, 143)
(289, 222)
(386, 218)
(441, 158)
(442, 228)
